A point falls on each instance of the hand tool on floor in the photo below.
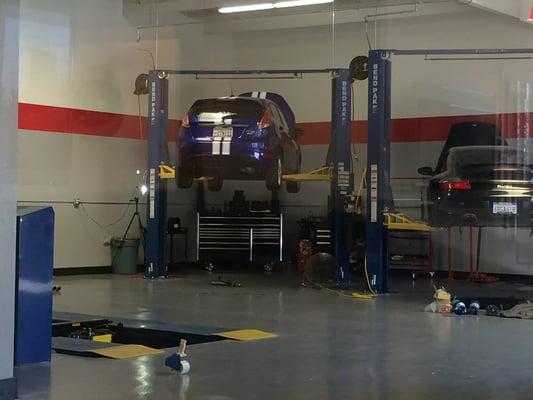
(222, 282)
(176, 361)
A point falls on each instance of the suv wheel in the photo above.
(294, 187)
(274, 175)
(184, 178)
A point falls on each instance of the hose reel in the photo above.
(359, 68)
(141, 85)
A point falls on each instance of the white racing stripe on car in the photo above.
(263, 95)
(221, 146)
(216, 146)
(226, 146)
(255, 94)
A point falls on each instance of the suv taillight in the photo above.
(185, 121)
(265, 122)
(454, 185)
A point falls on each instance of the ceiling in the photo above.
(203, 8)
(177, 12)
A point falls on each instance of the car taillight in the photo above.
(454, 185)
(265, 121)
(185, 121)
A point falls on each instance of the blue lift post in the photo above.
(379, 196)
(341, 119)
(378, 169)
(341, 186)
(156, 265)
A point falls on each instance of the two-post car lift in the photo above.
(158, 164)
(379, 197)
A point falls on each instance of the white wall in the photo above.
(83, 55)
(8, 151)
(80, 54)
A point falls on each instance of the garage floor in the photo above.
(329, 347)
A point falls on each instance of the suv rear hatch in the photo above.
(231, 112)
(491, 168)
(469, 134)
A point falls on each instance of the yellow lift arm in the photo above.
(401, 222)
(167, 172)
(321, 174)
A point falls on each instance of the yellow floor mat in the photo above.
(126, 351)
(247, 334)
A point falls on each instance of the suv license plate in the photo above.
(222, 132)
(504, 208)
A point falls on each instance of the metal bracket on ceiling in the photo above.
(388, 14)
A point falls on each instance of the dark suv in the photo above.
(242, 138)
(480, 180)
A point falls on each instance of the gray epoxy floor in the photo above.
(329, 347)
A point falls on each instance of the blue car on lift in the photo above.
(248, 137)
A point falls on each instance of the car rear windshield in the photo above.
(464, 159)
(470, 134)
(218, 110)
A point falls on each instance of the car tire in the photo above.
(274, 175)
(293, 187)
(215, 184)
(438, 219)
(184, 178)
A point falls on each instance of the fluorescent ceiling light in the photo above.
(251, 7)
(271, 6)
(300, 3)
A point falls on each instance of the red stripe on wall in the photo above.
(37, 117)
(423, 129)
(95, 123)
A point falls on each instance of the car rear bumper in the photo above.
(479, 212)
(242, 162)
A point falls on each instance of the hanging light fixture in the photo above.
(271, 6)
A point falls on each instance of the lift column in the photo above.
(156, 265)
(341, 185)
(379, 196)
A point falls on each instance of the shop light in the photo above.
(300, 3)
(271, 6)
(250, 7)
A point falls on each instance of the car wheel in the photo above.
(215, 184)
(274, 176)
(294, 187)
(184, 178)
(438, 219)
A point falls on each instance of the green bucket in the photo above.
(124, 255)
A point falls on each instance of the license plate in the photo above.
(222, 132)
(504, 208)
